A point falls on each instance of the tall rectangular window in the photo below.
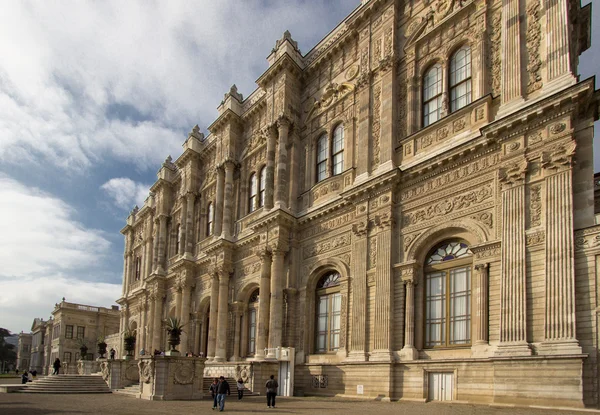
(67, 357)
(252, 331)
(338, 150)
(69, 332)
(80, 332)
(322, 150)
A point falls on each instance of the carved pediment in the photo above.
(333, 93)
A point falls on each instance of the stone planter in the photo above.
(166, 378)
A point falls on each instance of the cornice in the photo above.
(284, 62)
(227, 116)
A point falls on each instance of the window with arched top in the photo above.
(460, 79)
(448, 295)
(252, 320)
(252, 193)
(261, 186)
(432, 95)
(322, 153)
(338, 150)
(328, 313)
(210, 217)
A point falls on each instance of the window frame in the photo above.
(337, 154)
(330, 294)
(67, 336)
(253, 305)
(467, 81)
(82, 332)
(253, 194)
(262, 184)
(210, 217)
(323, 138)
(439, 96)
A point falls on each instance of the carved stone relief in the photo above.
(534, 37)
(535, 206)
(496, 52)
(376, 127)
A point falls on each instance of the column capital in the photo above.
(513, 174)
(560, 156)
(263, 253)
(409, 273)
(361, 228)
(283, 122)
(482, 267)
(385, 220)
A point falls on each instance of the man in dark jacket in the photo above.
(222, 390)
(272, 386)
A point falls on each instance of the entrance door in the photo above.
(441, 386)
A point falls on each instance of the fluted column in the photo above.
(157, 322)
(222, 317)
(218, 219)
(263, 305)
(162, 242)
(558, 51)
(189, 225)
(236, 337)
(212, 322)
(150, 323)
(183, 226)
(143, 323)
(409, 351)
(276, 311)
(228, 201)
(382, 343)
(203, 335)
(283, 127)
(511, 52)
(149, 250)
(184, 317)
(197, 326)
(270, 174)
(481, 334)
(513, 295)
(358, 340)
(244, 335)
(560, 329)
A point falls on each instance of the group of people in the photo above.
(28, 376)
(219, 389)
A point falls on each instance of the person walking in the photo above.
(240, 388)
(272, 386)
(56, 366)
(112, 353)
(213, 392)
(222, 389)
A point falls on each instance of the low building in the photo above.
(38, 333)
(24, 351)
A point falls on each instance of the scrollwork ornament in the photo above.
(183, 373)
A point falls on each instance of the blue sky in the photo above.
(93, 97)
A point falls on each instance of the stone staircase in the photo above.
(131, 390)
(67, 384)
(232, 382)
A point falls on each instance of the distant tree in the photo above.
(8, 354)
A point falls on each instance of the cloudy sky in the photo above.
(93, 97)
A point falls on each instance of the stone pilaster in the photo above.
(149, 250)
(150, 323)
(513, 295)
(382, 344)
(283, 127)
(270, 174)
(276, 312)
(558, 51)
(481, 313)
(222, 316)
(228, 201)
(244, 335)
(197, 326)
(162, 243)
(143, 322)
(409, 276)
(263, 304)
(212, 321)
(157, 329)
(560, 334)
(184, 317)
(364, 128)
(203, 334)
(358, 340)
(512, 89)
(218, 219)
(182, 226)
(189, 224)
(237, 315)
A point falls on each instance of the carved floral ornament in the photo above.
(513, 173)
(559, 156)
(333, 93)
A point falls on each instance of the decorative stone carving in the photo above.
(146, 370)
(484, 217)
(559, 156)
(536, 238)
(496, 52)
(343, 319)
(533, 38)
(372, 256)
(361, 228)
(376, 126)
(513, 173)
(105, 370)
(328, 245)
(183, 373)
(535, 205)
(558, 128)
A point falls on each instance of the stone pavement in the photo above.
(16, 403)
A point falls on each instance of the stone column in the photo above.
(155, 244)
(228, 202)
(197, 325)
(276, 312)
(481, 313)
(560, 334)
(125, 288)
(382, 343)
(178, 296)
(244, 335)
(203, 334)
(263, 305)
(236, 337)
(511, 90)
(182, 226)
(294, 181)
(162, 242)
(184, 317)
(270, 175)
(212, 322)
(150, 323)
(218, 211)
(364, 128)
(222, 317)
(513, 295)
(412, 96)
(149, 249)
(157, 321)
(189, 238)
(558, 51)
(143, 322)
(358, 340)
(283, 127)
(409, 352)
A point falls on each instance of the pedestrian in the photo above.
(222, 389)
(240, 388)
(213, 392)
(16, 371)
(24, 377)
(56, 366)
(112, 353)
(29, 377)
(34, 373)
(272, 386)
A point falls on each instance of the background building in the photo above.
(38, 347)
(24, 351)
(401, 205)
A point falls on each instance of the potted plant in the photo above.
(174, 329)
(83, 348)
(101, 347)
(129, 343)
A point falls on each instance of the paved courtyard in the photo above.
(15, 403)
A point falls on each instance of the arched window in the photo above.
(210, 217)
(448, 295)
(432, 95)
(460, 79)
(252, 313)
(338, 150)
(138, 268)
(322, 150)
(252, 198)
(328, 313)
(261, 186)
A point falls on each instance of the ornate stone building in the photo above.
(410, 205)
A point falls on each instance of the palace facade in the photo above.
(409, 205)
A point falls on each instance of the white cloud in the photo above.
(66, 67)
(125, 192)
(45, 254)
